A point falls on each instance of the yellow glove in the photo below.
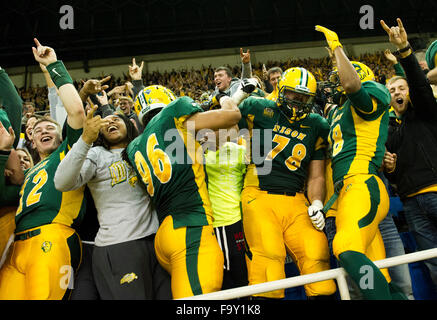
(331, 37)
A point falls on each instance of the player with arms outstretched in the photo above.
(359, 128)
(169, 161)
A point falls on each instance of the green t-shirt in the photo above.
(169, 162)
(280, 150)
(226, 168)
(359, 131)
(40, 203)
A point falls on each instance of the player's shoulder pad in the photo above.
(317, 120)
(377, 90)
(183, 106)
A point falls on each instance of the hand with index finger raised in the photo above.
(43, 54)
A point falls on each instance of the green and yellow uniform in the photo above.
(169, 161)
(45, 219)
(275, 216)
(10, 116)
(357, 139)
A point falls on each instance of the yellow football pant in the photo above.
(7, 226)
(276, 224)
(362, 204)
(192, 257)
(41, 267)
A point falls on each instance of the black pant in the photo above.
(232, 242)
(130, 271)
(84, 284)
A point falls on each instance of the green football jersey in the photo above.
(359, 131)
(280, 150)
(4, 119)
(12, 104)
(40, 203)
(169, 161)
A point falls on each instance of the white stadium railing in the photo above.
(338, 274)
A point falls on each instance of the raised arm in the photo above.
(421, 93)
(246, 66)
(229, 115)
(60, 77)
(349, 79)
(76, 169)
(136, 74)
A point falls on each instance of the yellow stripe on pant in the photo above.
(41, 267)
(276, 224)
(192, 256)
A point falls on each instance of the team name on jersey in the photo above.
(289, 132)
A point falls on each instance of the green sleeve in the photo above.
(9, 194)
(245, 109)
(371, 100)
(184, 106)
(399, 71)
(73, 135)
(12, 103)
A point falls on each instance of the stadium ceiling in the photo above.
(114, 28)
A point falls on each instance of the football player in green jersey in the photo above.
(283, 190)
(169, 161)
(359, 127)
(46, 250)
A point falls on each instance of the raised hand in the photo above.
(390, 56)
(92, 126)
(397, 34)
(331, 37)
(43, 54)
(245, 56)
(135, 71)
(103, 98)
(94, 86)
(7, 138)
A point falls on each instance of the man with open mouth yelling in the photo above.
(46, 250)
(399, 92)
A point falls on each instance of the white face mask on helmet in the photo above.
(148, 110)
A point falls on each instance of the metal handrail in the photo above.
(339, 274)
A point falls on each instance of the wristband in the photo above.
(397, 53)
(59, 74)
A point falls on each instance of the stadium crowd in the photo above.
(89, 182)
(194, 83)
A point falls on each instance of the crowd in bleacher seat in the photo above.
(194, 83)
